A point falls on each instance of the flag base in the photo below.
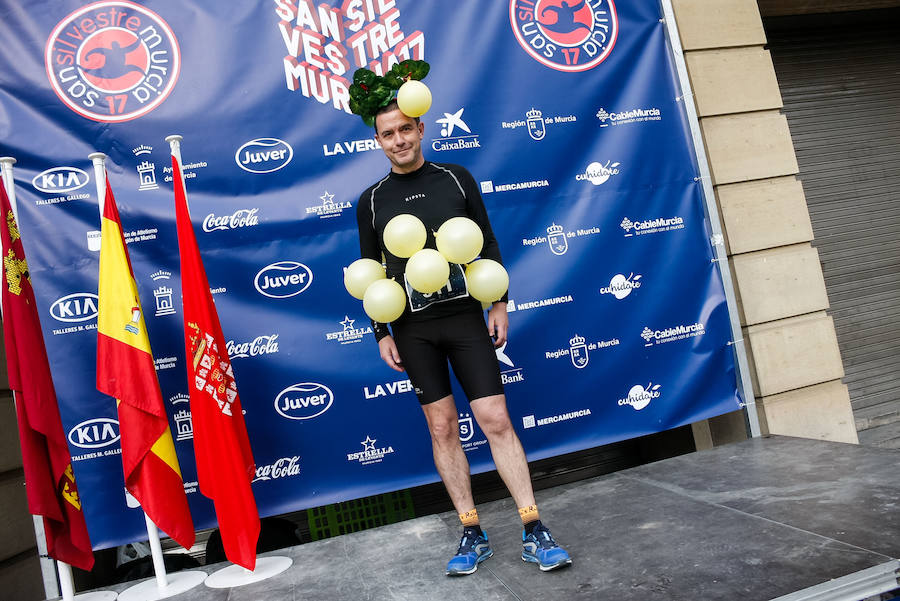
(235, 575)
(149, 590)
(96, 596)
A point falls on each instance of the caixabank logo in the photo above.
(112, 61)
(566, 35)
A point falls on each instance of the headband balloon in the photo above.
(369, 92)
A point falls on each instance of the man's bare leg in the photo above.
(452, 465)
(509, 457)
(449, 458)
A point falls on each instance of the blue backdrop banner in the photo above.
(569, 117)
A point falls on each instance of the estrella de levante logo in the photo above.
(112, 60)
(566, 35)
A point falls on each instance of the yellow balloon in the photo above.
(384, 300)
(414, 98)
(405, 235)
(460, 240)
(360, 274)
(487, 280)
(427, 271)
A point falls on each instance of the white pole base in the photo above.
(96, 596)
(149, 590)
(235, 575)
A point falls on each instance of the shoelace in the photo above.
(544, 538)
(465, 545)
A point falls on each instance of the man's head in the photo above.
(400, 138)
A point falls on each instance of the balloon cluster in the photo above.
(459, 240)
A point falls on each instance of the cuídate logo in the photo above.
(566, 35)
(112, 61)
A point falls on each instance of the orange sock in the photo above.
(529, 514)
(469, 518)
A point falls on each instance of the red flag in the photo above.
(126, 372)
(49, 479)
(225, 464)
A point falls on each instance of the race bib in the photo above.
(456, 288)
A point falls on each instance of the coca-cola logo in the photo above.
(282, 468)
(238, 219)
(261, 345)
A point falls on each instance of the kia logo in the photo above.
(304, 401)
(264, 155)
(80, 306)
(60, 179)
(95, 433)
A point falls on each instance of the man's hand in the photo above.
(498, 323)
(388, 349)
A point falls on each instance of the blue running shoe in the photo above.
(540, 548)
(473, 549)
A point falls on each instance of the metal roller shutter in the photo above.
(840, 79)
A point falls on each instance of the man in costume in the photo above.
(448, 325)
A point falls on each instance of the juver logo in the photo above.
(264, 155)
(305, 400)
(283, 279)
(112, 61)
(567, 35)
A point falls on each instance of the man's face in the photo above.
(401, 139)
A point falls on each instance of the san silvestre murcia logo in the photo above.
(112, 61)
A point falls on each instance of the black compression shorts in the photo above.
(425, 347)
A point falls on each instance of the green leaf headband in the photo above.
(369, 92)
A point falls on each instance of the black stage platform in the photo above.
(771, 518)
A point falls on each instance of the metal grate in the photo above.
(840, 80)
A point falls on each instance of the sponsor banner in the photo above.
(593, 198)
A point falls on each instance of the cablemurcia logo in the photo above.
(566, 35)
(112, 61)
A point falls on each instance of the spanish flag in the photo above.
(126, 372)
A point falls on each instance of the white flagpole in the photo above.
(166, 584)
(159, 566)
(6, 165)
(175, 146)
(51, 584)
(266, 567)
(65, 583)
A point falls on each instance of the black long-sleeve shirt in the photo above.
(434, 193)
